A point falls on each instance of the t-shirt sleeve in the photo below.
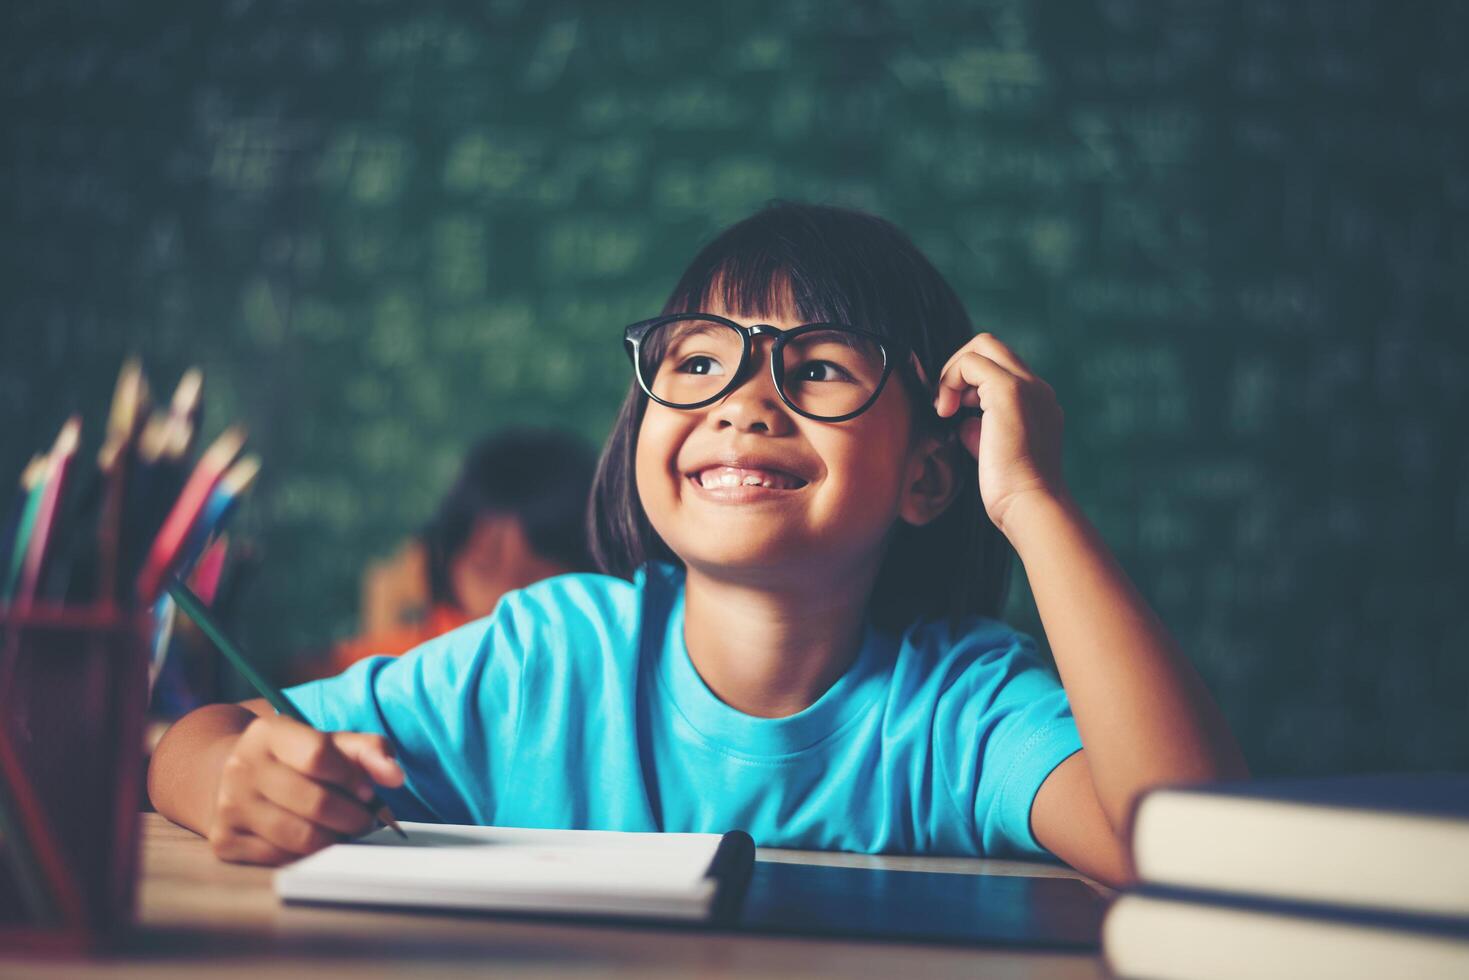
(448, 707)
(1009, 725)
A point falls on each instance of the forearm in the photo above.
(184, 773)
(1144, 714)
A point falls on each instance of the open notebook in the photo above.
(690, 877)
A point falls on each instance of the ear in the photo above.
(931, 481)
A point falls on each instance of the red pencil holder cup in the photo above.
(73, 693)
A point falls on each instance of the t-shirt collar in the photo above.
(736, 732)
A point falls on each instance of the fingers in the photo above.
(286, 790)
(966, 379)
(372, 753)
(313, 754)
(286, 831)
(318, 804)
(244, 848)
(241, 813)
(992, 347)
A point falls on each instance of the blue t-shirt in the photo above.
(575, 705)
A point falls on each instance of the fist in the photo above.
(1017, 441)
(286, 790)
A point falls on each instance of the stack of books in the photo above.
(1363, 876)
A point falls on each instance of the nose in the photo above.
(754, 405)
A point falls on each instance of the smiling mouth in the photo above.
(731, 477)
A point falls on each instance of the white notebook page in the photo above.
(492, 866)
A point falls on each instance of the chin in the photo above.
(742, 552)
(725, 551)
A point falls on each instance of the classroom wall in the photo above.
(1233, 235)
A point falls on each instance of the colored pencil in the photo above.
(191, 501)
(225, 497)
(68, 572)
(42, 532)
(30, 477)
(210, 568)
(73, 575)
(115, 460)
(196, 610)
(184, 414)
(210, 520)
(164, 613)
(159, 475)
(145, 500)
(21, 539)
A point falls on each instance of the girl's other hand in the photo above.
(286, 790)
(1019, 451)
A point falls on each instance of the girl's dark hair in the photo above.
(838, 265)
(541, 477)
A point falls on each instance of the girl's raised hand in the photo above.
(1019, 451)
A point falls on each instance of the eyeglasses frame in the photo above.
(634, 334)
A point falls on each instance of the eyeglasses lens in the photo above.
(831, 373)
(688, 361)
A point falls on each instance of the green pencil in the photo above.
(11, 565)
(194, 607)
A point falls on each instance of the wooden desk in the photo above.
(200, 916)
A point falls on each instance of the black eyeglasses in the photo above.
(829, 372)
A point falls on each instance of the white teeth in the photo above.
(734, 477)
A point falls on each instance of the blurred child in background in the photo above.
(515, 514)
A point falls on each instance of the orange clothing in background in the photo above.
(440, 619)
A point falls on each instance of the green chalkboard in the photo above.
(1233, 235)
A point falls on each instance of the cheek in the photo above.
(875, 457)
(653, 461)
(871, 483)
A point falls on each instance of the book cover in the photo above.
(1393, 843)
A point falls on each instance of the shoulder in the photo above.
(975, 659)
(604, 609)
(553, 621)
(581, 594)
(554, 618)
(567, 607)
(967, 642)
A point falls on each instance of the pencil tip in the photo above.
(386, 816)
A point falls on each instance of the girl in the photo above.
(807, 549)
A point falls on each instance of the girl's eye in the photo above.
(700, 364)
(821, 371)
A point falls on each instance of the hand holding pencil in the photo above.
(286, 790)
